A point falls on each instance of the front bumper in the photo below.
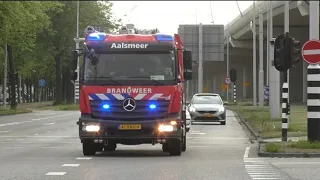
(109, 130)
(216, 117)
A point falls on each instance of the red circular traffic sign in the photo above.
(311, 52)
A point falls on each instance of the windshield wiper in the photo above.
(154, 82)
(109, 78)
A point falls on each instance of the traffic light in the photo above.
(295, 51)
(233, 75)
(286, 52)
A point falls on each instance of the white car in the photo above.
(188, 119)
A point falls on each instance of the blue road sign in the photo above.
(42, 82)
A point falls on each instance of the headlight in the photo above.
(221, 109)
(91, 128)
(165, 128)
(192, 109)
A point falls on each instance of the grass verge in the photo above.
(259, 119)
(61, 107)
(7, 111)
(293, 147)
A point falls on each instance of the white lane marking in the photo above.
(246, 152)
(44, 147)
(50, 123)
(5, 131)
(14, 147)
(292, 163)
(84, 158)
(33, 120)
(71, 165)
(265, 178)
(36, 136)
(56, 173)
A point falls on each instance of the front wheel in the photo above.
(175, 148)
(88, 148)
(184, 144)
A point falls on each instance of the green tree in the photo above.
(20, 22)
(59, 38)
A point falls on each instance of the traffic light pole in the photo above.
(286, 29)
(313, 78)
(234, 93)
(285, 90)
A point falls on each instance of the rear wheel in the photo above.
(88, 148)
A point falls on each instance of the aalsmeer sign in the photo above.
(131, 46)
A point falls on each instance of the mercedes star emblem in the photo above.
(129, 104)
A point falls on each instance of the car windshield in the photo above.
(206, 100)
(135, 66)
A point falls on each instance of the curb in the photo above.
(253, 135)
(262, 153)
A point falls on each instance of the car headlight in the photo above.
(91, 128)
(192, 109)
(221, 109)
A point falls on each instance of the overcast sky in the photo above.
(167, 15)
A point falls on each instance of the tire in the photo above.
(175, 147)
(88, 148)
(110, 147)
(188, 129)
(165, 147)
(184, 144)
(223, 123)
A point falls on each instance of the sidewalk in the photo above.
(293, 139)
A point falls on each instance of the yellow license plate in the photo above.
(208, 115)
(130, 126)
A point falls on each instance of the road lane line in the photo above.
(246, 152)
(5, 131)
(50, 123)
(294, 163)
(71, 165)
(56, 173)
(84, 158)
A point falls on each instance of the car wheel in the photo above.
(88, 148)
(188, 129)
(184, 143)
(175, 148)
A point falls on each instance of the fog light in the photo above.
(173, 123)
(165, 128)
(92, 128)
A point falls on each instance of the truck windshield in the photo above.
(159, 66)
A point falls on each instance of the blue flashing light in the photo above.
(163, 37)
(152, 106)
(106, 106)
(97, 36)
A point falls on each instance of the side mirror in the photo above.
(74, 76)
(74, 60)
(225, 103)
(187, 64)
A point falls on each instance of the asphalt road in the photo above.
(45, 145)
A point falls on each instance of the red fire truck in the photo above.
(132, 90)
